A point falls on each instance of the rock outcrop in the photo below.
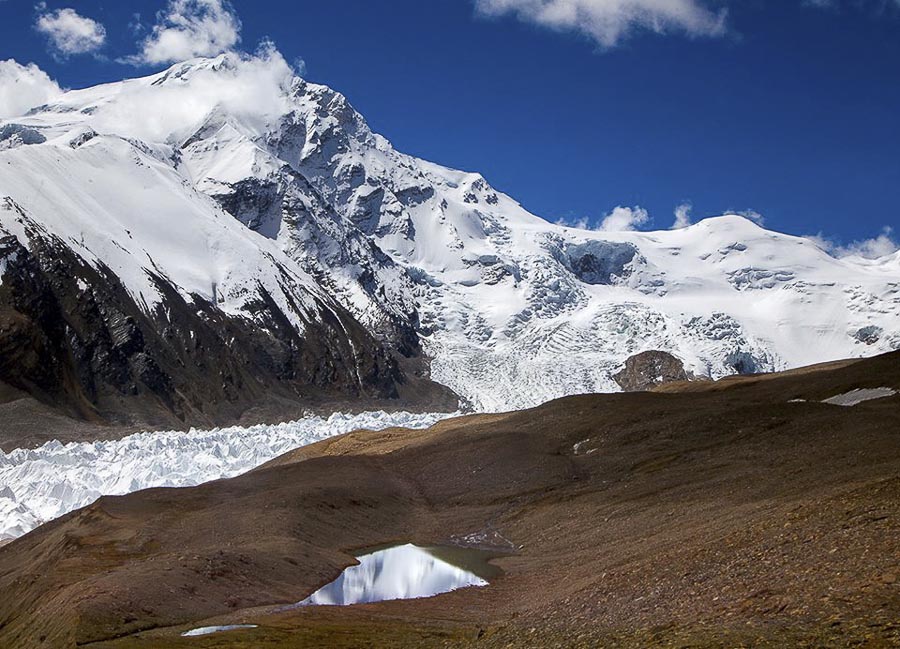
(649, 369)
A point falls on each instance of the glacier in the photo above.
(40, 484)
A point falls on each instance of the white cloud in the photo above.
(23, 87)
(136, 24)
(300, 66)
(879, 246)
(624, 218)
(682, 216)
(253, 88)
(71, 33)
(835, 4)
(608, 22)
(580, 224)
(190, 28)
(618, 220)
(753, 215)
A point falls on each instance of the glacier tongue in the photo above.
(44, 483)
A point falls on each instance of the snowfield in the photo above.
(38, 485)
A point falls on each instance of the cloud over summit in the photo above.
(23, 87)
(878, 246)
(189, 28)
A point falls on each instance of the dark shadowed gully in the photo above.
(738, 513)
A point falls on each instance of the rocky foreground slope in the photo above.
(182, 246)
(745, 512)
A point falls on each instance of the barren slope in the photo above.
(726, 514)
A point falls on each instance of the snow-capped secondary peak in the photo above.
(511, 309)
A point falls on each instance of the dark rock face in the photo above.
(12, 135)
(256, 204)
(743, 362)
(869, 335)
(597, 262)
(289, 209)
(649, 369)
(72, 337)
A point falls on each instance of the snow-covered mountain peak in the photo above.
(497, 295)
(167, 107)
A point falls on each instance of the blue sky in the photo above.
(786, 108)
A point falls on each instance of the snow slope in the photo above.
(512, 310)
(41, 484)
(114, 202)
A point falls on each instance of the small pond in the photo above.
(406, 572)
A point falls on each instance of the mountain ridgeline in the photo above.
(242, 261)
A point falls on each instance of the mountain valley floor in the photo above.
(744, 512)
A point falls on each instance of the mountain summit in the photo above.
(224, 228)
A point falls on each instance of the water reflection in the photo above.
(405, 572)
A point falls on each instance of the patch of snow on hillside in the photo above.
(208, 630)
(855, 397)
